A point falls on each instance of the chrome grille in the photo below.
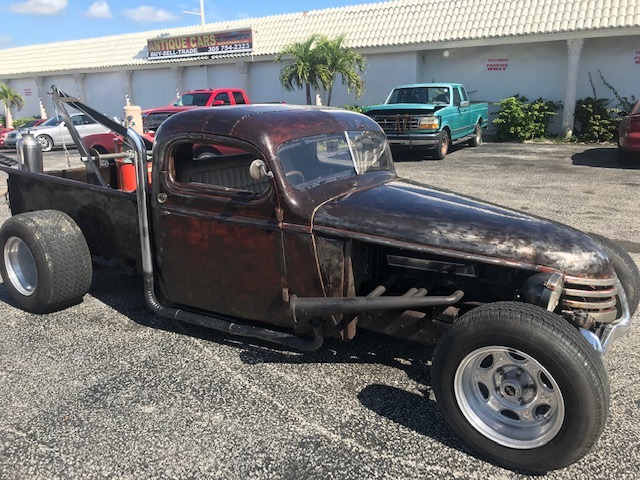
(597, 297)
(397, 123)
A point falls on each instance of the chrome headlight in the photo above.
(544, 289)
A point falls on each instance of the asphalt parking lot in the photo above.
(105, 389)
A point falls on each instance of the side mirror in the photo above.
(464, 103)
(258, 170)
(217, 103)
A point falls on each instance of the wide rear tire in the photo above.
(45, 261)
(521, 386)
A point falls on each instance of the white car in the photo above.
(54, 132)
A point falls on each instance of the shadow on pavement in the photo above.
(602, 158)
(419, 412)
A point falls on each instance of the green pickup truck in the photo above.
(431, 115)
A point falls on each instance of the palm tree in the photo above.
(10, 98)
(340, 60)
(304, 71)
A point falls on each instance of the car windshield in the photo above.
(419, 95)
(53, 121)
(152, 121)
(311, 161)
(188, 99)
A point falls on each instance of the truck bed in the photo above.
(107, 217)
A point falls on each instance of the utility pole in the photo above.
(200, 13)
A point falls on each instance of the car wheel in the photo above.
(45, 263)
(442, 147)
(521, 386)
(476, 141)
(625, 268)
(46, 142)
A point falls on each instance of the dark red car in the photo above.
(629, 135)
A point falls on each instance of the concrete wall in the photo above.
(533, 70)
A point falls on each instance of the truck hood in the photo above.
(402, 108)
(418, 217)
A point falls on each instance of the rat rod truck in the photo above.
(306, 232)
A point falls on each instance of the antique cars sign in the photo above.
(203, 44)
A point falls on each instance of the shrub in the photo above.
(595, 120)
(19, 122)
(520, 120)
(353, 108)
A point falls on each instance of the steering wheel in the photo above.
(294, 173)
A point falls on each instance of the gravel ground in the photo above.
(105, 389)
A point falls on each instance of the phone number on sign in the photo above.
(230, 48)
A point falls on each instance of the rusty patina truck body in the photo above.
(306, 232)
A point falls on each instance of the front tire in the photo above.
(442, 147)
(45, 262)
(521, 386)
(46, 142)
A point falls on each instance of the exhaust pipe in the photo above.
(311, 307)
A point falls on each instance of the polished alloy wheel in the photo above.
(509, 397)
(21, 267)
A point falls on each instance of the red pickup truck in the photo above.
(104, 142)
(211, 98)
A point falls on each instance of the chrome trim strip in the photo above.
(574, 292)
(610, 302)
(617, 329)
(594, 282)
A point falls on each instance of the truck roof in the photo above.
(266, 126)
(439, 84)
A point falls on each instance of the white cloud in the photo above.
(146, 14)
(39, 7)
(4, 40)
(99, 9)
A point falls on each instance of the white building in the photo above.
(497, 48)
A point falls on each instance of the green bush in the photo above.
(595, 120)
(353, 108)
(520, 120)
(19, 122)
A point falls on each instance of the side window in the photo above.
(239, 98)
(215, 167)
(224, 96)
(456, 96)
(464, 94)
(77, 120)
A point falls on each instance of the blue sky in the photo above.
(31, 22)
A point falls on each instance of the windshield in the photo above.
(311, 161)
(420, 95)
(188, 99)
(52, 122)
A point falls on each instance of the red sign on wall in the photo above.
(637, 57)
(27, 92)
(497, 64)
(200, 44)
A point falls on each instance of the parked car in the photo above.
(431, 116)
(13, 136)
(629, 135)
(3, 135)
(211, 98)
(54, 133)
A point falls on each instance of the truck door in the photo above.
(466, 115)
(218, 244)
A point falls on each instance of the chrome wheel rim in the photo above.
(509, 397)
(21, 267)
(445, 145)
(478, 135)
